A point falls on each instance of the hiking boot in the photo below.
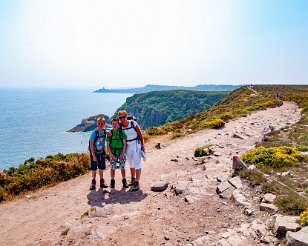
(124, 182)
(102, 184)
(112, 183)
(93, 185)
(132, 181)
(135, 186)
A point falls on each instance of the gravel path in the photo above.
(53, 216)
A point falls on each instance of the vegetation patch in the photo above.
(291, 204)
(203, 151)
(177, 135)
(275, 157)
(33, 174)
(214, 123)
(303, 218)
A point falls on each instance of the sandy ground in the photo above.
(53, 216)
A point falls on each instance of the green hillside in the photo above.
(159, 107)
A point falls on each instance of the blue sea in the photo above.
(33, 122)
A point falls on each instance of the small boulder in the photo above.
(101, 211)
(283, 224)
(269, 198)
(227, 193)
(268, 207)
(159, 186)
(223, 186)
(236, 182)
(190, 199)
(180, 187)
(299, 238)
(285, 173)
(240, 199)
(251, 168)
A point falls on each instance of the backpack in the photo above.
(97, 137)
(120, 135)
(133, 126)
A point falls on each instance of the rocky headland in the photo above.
(88, 124)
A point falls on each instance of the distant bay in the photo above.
(33, 122)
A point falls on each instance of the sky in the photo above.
(131, 43)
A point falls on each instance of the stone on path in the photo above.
(268, 207)
(180, 187)
(240, 199)
(284, 224)
(269, 198)
(190, 199)
(236, 182)
(223, 186)
(227, 193)
(159, 186)
(101, 211)
(299, 238)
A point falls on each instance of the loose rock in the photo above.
(269, 198)
(299, 238)
(223, 186)
(268, 207)
(159, 186)
(284, 224)
(236, 182)
(240, 199)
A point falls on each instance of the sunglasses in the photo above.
(122, 117)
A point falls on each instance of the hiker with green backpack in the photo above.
(116, 146)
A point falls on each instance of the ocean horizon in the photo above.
(34, 121)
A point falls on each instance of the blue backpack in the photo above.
(99, 143)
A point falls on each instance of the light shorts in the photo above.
(121, 163)
(133, 154)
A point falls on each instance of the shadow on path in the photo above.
(113, 196)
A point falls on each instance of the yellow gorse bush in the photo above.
(303, 218)
(275, 157)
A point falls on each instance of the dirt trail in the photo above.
(53, 216)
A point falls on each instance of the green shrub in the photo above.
(212, 123)
(303, 218)
(177, 135)
(291, 204)
(154, 130)
(275, 157)
(302, 147)
(271, 187)
(203, 151)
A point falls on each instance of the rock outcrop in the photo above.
(88, 124)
